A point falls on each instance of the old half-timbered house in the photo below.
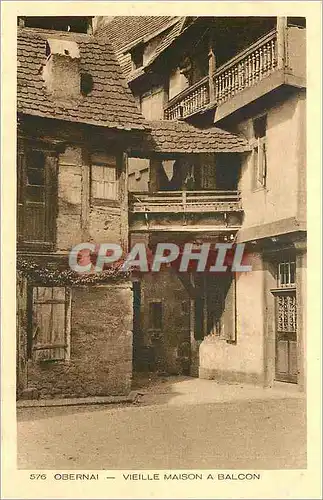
(76, 116)
(245, 76)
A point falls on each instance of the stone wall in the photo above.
(101, 347)
(81, 219)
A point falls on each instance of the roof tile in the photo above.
(110, 95)
(181, 137)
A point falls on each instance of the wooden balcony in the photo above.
(186, 202)
(247, 68)
(277, 58)
(188, 102)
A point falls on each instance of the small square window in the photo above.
(286, 274)
(260, 127)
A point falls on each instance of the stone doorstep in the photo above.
(132, 397)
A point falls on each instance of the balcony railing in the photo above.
(247, 68)
(244, 70)
(186, 202)
(189, 101)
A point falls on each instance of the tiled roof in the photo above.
(109, 104)
(168, 39)
(181, 137)
(124, 31)
(165, 42)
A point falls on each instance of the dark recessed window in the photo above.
(86, 83)
(155, 315)
(137, 56)
(259, 126)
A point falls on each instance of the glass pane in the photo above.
(292, 272)
(35, 177)
(35, 159)
(110, 174)
(35, 193)
(59, 293)
(97, 173)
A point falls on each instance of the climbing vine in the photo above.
(47, 275)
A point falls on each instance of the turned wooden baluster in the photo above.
(231, 87)
(203, 96)
(236, 79)
(216, 89)
(219, 78)
(253, 68)
(265, 57)
(198, 99)
(273, 58)
(221, 87)
(227, 83)
(261, 63)
(248, 71)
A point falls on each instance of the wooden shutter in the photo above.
(51, 174)
(50, 323)
(20, 194)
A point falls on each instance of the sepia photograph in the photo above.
(143, 143)
(161, 248)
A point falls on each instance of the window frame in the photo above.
(288, 284)
(259, 152)
(100, 163)
(50, 194)
(137, 56)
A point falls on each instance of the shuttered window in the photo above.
(260, 165)
(50, 325)
(36, 196)
(259, 152)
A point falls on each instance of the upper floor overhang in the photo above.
(275, 60)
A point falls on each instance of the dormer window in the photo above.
(137, 56)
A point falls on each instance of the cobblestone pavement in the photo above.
(180, 423)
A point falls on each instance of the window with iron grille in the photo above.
(287, 274)
(50, 312)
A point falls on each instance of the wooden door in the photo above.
(286, 337)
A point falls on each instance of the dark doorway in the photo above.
(137, 334)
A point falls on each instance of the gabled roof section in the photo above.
(110, 102)
(181, 137)
(124, 32)
(169, 38)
